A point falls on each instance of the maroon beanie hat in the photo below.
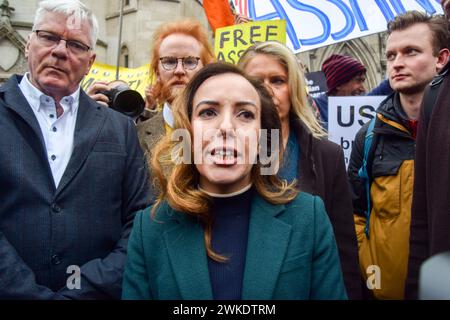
(340, 69)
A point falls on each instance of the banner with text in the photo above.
(316, 82)
(231, 42)
(315, 23)
(137, 78)
(346, 115)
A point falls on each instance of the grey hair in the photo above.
(73, 9)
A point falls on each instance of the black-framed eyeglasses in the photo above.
(170, 63)
(49, 39)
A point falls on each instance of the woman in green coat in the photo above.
(224, 226)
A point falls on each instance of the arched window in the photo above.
(124, 57)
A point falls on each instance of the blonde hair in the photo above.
(296, 81)
(177, 183)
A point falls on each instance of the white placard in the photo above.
(346, 115)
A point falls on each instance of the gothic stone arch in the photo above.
(12, 50)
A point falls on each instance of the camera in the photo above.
(125, 100)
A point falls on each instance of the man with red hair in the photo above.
(179, 50)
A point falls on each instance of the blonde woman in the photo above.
(316, 163)
(221, 228)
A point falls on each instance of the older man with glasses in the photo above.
(72, 173)
(180, 49)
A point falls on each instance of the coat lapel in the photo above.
(17, 102)
(187, 254)
(268, 240)
(90, 120)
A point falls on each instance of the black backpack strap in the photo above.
(430, 96)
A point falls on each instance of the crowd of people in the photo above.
(226, 187)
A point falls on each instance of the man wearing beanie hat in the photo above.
(345, 77)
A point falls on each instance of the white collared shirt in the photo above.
(58, 132)
(168, 115)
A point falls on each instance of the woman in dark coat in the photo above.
(316, 163)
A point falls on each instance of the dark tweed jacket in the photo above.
(150, 132)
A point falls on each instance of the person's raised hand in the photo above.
(150, 101)
(240, 18)
(94, 92)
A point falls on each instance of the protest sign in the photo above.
(314, 23)
(316, 82)
(346, 115)
(231, 42)
(137, 78)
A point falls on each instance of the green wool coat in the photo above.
(291, 254)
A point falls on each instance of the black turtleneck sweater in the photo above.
(229, 238)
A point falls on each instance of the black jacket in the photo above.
(430, 224)
(322, 172)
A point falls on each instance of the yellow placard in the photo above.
(137, 78)
(231, 42)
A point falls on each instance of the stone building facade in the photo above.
(140, 19)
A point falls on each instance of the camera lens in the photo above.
(129, 102)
